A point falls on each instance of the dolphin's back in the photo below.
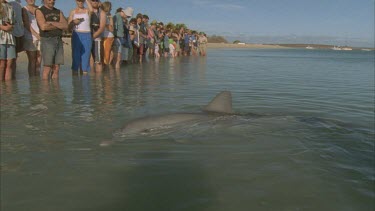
(152, 122)
(222, 103)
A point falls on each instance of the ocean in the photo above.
(302, 136)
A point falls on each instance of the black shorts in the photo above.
(97, 51)
(19, 44)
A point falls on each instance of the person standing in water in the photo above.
(79, 22)
(51, 22)
(98, 22)
(18, 31)
(108, 36)
(31, 41)
(7, 41)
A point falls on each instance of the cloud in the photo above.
(202, 2)
(223, 6)
(229, 6)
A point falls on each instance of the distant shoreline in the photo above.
(254, 46)
(277, 46)
(67, 48)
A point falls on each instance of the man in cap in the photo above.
(121, 34)
(128, 45)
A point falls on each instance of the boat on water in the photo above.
(336, 48)
(347, 49)
(309, 47)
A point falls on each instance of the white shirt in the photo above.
(83, 26)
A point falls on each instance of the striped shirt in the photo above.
(7, 17)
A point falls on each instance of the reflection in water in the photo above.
(8, 87)
(82, 97)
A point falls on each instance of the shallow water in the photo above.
(302, 137)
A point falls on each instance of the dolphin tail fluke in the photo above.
(222, 103)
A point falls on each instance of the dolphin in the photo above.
(219, 106)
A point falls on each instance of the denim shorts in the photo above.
(52, 50)
(7, 51)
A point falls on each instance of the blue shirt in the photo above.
(186, 38)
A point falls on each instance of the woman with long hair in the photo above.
(79, 22)
(31, 42)
(108, 36)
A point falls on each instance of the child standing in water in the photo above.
(172, 48)
(157, 54)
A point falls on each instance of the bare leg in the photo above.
(38, 63)
(2, 69)
(118, 61)
(9, 70)
(99, 67)
(55, 72)
(31, 55)
(92, 64)
(111, 57)
(46, 72)
(13, 68)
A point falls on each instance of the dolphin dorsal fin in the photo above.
(222, 103)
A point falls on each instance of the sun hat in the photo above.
(128, 11)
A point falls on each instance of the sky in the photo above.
(347, 21)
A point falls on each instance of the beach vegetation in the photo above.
(216, 39)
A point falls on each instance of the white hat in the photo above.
(128, 11)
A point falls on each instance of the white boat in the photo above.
(309, 47)
(347, 49)
(336, 48)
